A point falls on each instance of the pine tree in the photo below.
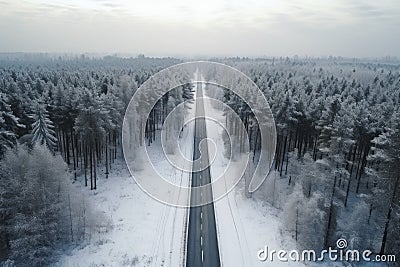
(43, 129)
(8, 124)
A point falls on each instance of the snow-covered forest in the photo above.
(60, 119)
(337, 159)
(336, 170)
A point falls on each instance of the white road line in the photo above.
(202, 255)
(201, 227)
(201, 241)
(201, 215)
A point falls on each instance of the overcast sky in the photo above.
(360, 28)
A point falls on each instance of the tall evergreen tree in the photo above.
(43, 128)
(8, 124)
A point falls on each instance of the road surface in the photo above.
(202, 245)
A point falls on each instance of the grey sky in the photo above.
(361, 28)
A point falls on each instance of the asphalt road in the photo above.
(202, 245)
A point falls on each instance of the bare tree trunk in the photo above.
(256, 143)
(297, 222)
(67, 148)
(283, 154)
(106, 157)
(277, 152)
(85, 162)
(389, 215)
(315, 148)
(363, 163)
(70, 218)
(91, 168)
(73, 152)
(287, 157)
(328, 228)
(94, 171)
